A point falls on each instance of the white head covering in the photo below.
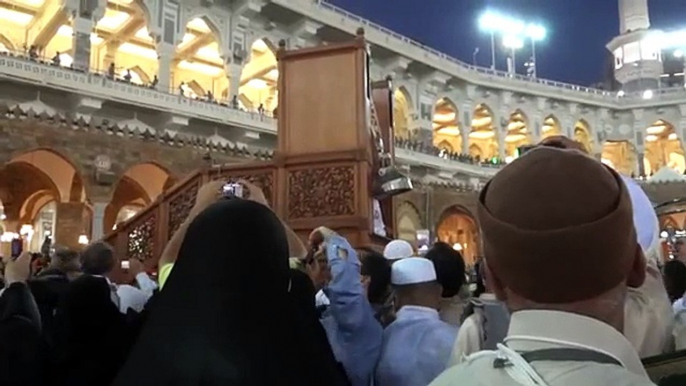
(398, 249)
(645, 220)
(412, 270)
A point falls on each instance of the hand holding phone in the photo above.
(17, 247)
(232, 190)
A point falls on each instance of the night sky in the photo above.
(578, 30)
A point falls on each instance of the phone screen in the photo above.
(125, 264)
(231, 189)
(17, 247)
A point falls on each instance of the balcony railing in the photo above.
(100, 85)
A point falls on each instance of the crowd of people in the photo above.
(422, 147)
(570, 292)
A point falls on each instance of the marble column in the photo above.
(165, 52)
(81, 43)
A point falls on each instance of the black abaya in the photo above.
(225, 316)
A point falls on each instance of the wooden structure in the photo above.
(325, 164)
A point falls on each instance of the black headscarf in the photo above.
(92, 338)
(225, 316)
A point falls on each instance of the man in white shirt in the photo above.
(561, 252)
(416, 346)
(98, 259)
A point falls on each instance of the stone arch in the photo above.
(663, 147)
(402, 112)
(458, 227)
(212, 23)
(518, 134)
(446, 124)
(408, 221)
(551, 127)
(64, 173)
(200, 55)
(259, 77)
(139, 186)
(620, 155)
(582, 134)
(483, 134)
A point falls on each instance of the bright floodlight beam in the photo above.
(489, 22)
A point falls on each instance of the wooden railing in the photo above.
(145, 235)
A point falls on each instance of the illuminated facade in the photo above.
(108, 103)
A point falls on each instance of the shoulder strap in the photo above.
(561, 355)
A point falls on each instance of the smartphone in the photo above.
(232, 189)
(125, 264)
(17, 247)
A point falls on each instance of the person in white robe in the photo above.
(416, 346)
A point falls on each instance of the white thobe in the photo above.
(469, 337)
(537, 330)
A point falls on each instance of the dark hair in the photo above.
(376, 266)
(65, 255)
(97, 259)
(449, 266)
(675, 279)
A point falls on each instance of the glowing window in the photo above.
(632, 52)
(649, 51)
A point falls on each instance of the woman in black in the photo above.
(226, 315)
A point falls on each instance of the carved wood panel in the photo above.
(180, 206)
(320, 192)
(141, 239)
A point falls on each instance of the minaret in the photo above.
(633, 15)
(637, 60)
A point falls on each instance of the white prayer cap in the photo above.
(398, 249)
(412, 270)
(645, 220)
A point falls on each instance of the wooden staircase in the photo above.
(145, 235)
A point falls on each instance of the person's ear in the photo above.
(637, 275)
(495, 284)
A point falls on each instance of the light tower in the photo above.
(637, 60)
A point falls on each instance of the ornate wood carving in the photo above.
(180, 206)
(321, 192)
(141, 239)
